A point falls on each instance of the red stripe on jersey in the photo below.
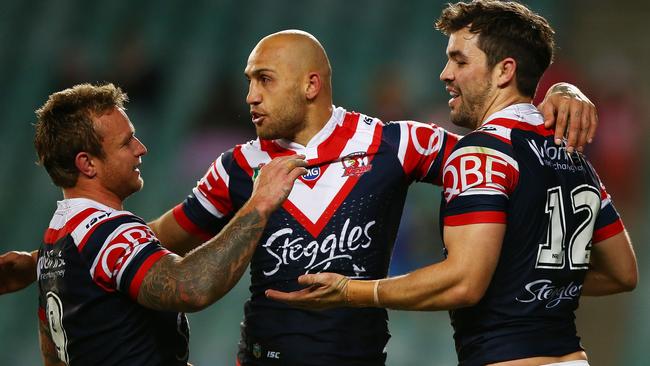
(330, 149)
(273, 149)
(452, 140)
(53, 235)
(136, 282)
(478, 217)
(84, 240)
(213, 187)
(315, 228)
(418, 160)
(41, 314)
(342, 133)
(519, 125)
(187, 224)
(476, 170)
(241, 160)
(608, 231)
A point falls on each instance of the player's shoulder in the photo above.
(84, 217)
(510, 124)
(411, 130)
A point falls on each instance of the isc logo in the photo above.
(312, 173)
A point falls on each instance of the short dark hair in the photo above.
(65, 128)
(505, 29)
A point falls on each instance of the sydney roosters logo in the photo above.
(355, 164)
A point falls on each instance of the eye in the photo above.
(265, 79)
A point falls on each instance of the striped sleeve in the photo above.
(206, 210)
(478, 178)
(422, 149)
(119, 250)
(608, 223)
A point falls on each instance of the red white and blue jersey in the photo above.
(90, 268)
(555, 208)
(341, 217)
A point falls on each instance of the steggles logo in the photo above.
(288, 249)
(355, 164)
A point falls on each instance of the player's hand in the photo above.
(572, 113)
(17, 271)
(323, 291)
(275, 181)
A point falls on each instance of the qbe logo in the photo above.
(312, 173)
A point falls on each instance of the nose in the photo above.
(446, 75)
(253, 97)
(140, 148)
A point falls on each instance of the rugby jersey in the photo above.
(342, 216)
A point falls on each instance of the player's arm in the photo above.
(195, 281)
(17, 270)
(48, 349)
(172, 236)
(613, 267)
(567, 109)
(459, 281)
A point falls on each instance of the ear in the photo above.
(85, 164)
(505, 71)
(313, 86)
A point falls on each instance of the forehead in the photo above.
(268, 55)
(113, 124)
(464, 43)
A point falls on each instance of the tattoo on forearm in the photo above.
(206, 273)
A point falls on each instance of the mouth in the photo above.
(257, 117)
(137, 168)
(455, 96)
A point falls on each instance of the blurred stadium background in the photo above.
(182, 64)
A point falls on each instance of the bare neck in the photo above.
(97, 194)
(501, 101)
(315, 120)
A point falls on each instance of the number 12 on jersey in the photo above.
(553, 252)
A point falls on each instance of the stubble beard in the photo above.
(471, 109)
(287, 121)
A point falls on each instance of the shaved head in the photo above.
(290, 89)
(299, 51)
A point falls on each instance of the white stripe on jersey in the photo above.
(131, 248)
(523, 112)
(217, 172)
(133, 254)
(484, 191)
(479, 150)
(222, 172)
(605, 201)
(403, 142)
(497, 130)
(206, 203)
(83, 229)
(332, 180)
(254, 155)
(100, 253)
(59, 220)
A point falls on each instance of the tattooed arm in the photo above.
(195, 281)
(48, 349)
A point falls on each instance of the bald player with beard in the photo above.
(342, 216)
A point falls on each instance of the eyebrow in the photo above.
(456, 54)
(258, 71)
(128, 137)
